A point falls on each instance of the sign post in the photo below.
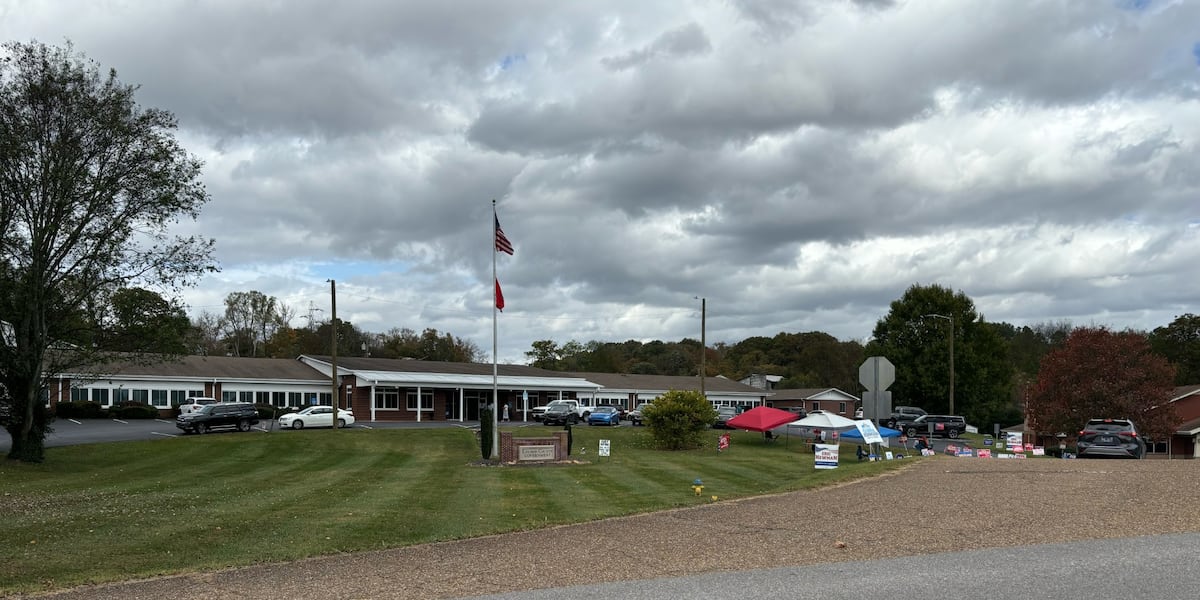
(876, 374)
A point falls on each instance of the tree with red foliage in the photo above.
(1097, 374)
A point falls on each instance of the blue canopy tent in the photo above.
(853, 434)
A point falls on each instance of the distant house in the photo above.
(1185, 443)
(827, 399)
(760, 381)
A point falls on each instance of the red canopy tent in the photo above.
(762, 418)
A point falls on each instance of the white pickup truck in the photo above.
(582, 411)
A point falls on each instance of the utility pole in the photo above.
(333, 359)
(703, 343)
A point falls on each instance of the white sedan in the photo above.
(315, 416)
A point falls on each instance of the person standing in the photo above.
(505, 411)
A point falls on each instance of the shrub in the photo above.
(485, 433)
(268, 412)
(677, 420)
(133, 410)
(81, 409)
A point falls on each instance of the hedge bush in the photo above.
(678, 420)
(133, 410)
(81, 409)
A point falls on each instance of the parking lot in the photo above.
(69, 432)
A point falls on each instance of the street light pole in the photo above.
(951, 320)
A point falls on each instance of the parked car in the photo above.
(724, 413)
(901, 416)
(1110, 437)
(943, 426)
(604, 415)
(239, 415)
(316, 416)
(635, 415)
(560, 412)
(194, 404)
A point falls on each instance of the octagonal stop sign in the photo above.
(877, 373)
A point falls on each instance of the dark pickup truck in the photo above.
(239, 415)
(902, 416)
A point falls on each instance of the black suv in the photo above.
(560, 414)
(1110, 437)
(241, 415)
(943, 426)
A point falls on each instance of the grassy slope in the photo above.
(119, 511)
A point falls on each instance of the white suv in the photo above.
(194, 404)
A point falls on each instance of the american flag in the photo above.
(502, 243)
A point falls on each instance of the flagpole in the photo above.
(495, 367)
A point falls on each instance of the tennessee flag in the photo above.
(499, 296)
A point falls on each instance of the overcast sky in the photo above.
(798, 164)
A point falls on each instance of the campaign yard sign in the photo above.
(826, 456)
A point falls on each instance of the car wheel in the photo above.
(912, 432)
(953, 434)
(297, 424)
(342, 423)
(244, 425)
(201, 428)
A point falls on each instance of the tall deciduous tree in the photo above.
(544, 354)
(89, 184)
(143, 321)
(1179, 342)
(250, 320)
(1098, 373)
(918, 344)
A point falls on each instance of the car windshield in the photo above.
(605, 410)
(206, 409)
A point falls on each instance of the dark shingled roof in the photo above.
(220, 367)
(624, 381)
(404, 365)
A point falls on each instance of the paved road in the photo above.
(1160, 567)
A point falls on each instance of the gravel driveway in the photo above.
(933, 505)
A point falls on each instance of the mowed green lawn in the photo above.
(119, 511)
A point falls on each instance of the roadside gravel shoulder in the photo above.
(937, 504)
